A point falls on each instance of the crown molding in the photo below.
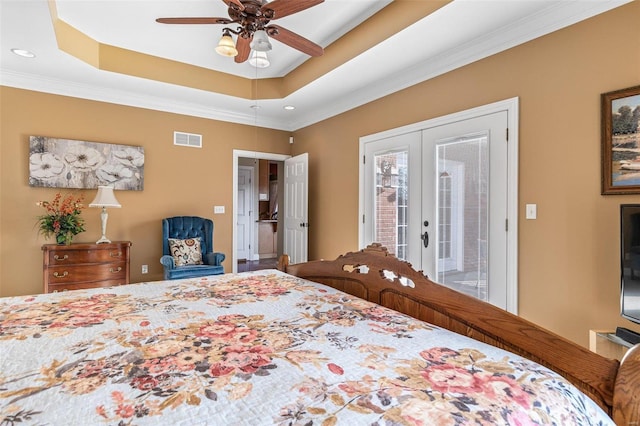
(102, 94)
(552, 18)
(555, 17)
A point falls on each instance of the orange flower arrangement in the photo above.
(62, 218)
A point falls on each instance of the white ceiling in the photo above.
(459, 33)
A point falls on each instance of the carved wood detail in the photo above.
(376, 275)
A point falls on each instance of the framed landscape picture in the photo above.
(621, 141)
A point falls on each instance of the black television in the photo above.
(630, 269)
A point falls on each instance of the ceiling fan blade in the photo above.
(283, 8)
(243, 47)
(194, 21)
(237, 4)
(294, 40)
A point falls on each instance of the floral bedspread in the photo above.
(258, 349)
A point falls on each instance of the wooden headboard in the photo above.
(375, 275)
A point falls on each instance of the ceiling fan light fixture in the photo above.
(259, 59)
(254, 29)
(226, 45)
(260, 41)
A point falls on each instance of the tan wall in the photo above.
(568, 268)
(178, 180)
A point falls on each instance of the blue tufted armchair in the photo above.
(184, 227)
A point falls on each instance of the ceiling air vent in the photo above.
(187, 139)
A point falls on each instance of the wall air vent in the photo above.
(187, 139)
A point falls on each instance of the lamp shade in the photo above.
(105, 198)
(259, 59)
(260, 41)
(226, 46)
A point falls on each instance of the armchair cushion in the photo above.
(192, 271)
(186, 252)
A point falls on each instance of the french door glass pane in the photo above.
(462, 211)
(391, 203)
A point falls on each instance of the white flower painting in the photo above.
(66, 163)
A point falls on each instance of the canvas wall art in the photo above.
(67, 163)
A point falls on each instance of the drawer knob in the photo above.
(65, 257)
(115, 254)
(118, 269)
(57, 275)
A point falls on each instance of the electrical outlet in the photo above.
(145, 269)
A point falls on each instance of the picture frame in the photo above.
(621, 141)
(68, 163)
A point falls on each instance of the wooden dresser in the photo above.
(82, 265)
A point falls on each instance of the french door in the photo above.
(464, 206)
(437, 197)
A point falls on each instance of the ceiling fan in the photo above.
(253, 18)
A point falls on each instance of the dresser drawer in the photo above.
(83, 273)
(54, 288)
(68, 257)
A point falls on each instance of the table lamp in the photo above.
(104, 198)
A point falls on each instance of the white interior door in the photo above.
(244, 213)
(439, 194)
(296, 210)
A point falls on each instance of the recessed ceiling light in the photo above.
(289, 107)
(255, 106)
(24, 53)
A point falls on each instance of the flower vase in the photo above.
(64, 238)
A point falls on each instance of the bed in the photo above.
(320, 343)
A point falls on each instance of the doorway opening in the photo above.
(258, 249)
(257, 182)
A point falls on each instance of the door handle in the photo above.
(425, 239)
(425, 236)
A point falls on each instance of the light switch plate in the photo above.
(531, 211)
(218, 209)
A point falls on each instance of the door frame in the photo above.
(512, 107)
(237, 154)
